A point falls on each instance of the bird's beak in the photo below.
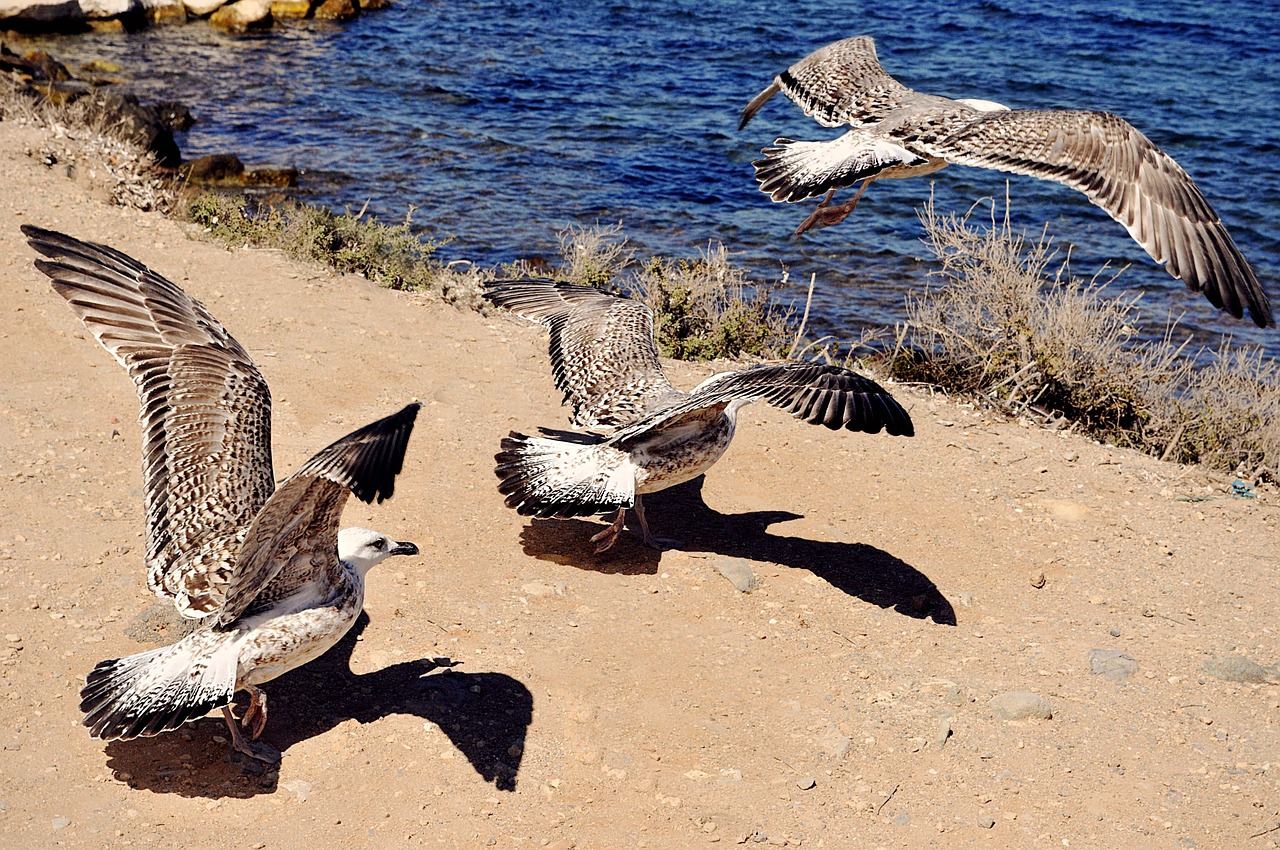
(404, 549)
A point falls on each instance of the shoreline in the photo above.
(638, 699)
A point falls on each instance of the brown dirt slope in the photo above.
(510, 689)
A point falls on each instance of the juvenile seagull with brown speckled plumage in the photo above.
(898, 133)
(605, 361)
(265, 568)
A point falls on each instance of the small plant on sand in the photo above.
(704, 307)
(392, 255)
(594, 256)
(1003, 328)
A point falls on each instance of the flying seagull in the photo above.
(265, 569)
(605, 361)
(899, 133)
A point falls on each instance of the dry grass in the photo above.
(1003, 328)
(88, 145)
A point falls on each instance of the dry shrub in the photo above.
(704, 307)
(594, 256)
(1003, 328)
(88, 145)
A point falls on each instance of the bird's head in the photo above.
(364, 548)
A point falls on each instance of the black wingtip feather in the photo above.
(367, 460)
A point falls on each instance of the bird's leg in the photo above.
(255, 716)
(825, 215)
(252, 749)
(605, 539)
(659, 543)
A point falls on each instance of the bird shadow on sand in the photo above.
(485, 715)
(866, 572)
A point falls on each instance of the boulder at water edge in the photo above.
(243, 15)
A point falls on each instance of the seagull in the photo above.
(650, 435)
(898, 133)
(265, 570)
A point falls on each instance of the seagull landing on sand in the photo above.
(605, 362)
(266, 569)
(900, 133)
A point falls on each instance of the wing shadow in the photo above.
(866, 572)
(485, 715)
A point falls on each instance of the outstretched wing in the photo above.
(1122, 171)
(294, 538)
(205, 413)
(815, 392)
(841, 83)
(602, 351)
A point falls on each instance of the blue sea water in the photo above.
(502, 121)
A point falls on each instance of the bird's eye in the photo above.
(380, 544)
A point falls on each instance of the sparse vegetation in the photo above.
(392, 255)
(1001, 327)
(704, 307)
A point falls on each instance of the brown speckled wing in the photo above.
(841, 83)
(294, 538)
(603, 356)
(1121, 171)
(205, 413)
(814, 392)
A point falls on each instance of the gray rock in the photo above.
(1112, 664)
(805, 783)
(738, 572)
(1238, 668)
(944, 732)
(160, 624)
(835, 745)
(61, 823)
(42, 15)
(1021, 705)
(300, 787)
(902, 819)
(986, 821)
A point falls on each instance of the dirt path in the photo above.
(510, 689)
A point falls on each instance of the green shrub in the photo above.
(704, 307)
(391, 255)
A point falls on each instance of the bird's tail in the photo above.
(565, 478)
(793, 171)
(157, 691)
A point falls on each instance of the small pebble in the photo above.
(738, 572)
(805, 783)
(944, 732)
(61, 823)
(1238, 668)
(1112, 664)
(1037, 580)
(986, 821)
(1020, 705)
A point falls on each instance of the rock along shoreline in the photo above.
(235, 16)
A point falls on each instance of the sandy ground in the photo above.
(511, 689)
